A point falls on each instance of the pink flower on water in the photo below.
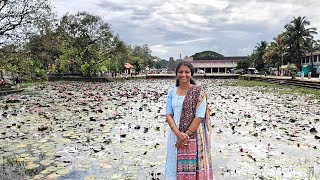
(83, 101)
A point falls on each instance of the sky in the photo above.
(174, 28)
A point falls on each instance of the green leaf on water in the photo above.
(45, 171)
(51, 168)
(116, 176)
(39, 176)
(62, 140)
(90, 177)
(123, 168)
(63, 171)
(105, 165)
(46, 162)
(24, 155)
(32, 159)
(21, 145)
(31, 166)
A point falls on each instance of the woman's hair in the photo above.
(189, 65)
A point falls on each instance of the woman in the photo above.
(188, 145)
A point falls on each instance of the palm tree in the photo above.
(296, 36)
(274, 52)
(259, 51)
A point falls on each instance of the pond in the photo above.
(117, 130)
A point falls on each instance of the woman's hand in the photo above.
(180, 144)
(182, 136)
(182, 140)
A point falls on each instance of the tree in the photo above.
(297, 36)
(311, 45)
(17, 14)
(144, 54)
(207, 55)
(245, 63)
(259, 51)
(15, 61)
(172, 64)
(161, 64)
(275, 52)
(89, 46)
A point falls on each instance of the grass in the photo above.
(281, 89)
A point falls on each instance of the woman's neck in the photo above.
(184, 85)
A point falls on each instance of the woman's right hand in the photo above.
(182, 140)
(182, 136)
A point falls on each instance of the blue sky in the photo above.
(174, 27)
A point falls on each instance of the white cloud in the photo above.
(172, 27)
(159, 48)
(189, 41)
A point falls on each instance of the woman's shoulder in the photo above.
(198, 87)
(171, 89)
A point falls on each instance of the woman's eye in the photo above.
(186, 72)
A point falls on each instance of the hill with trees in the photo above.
(207, 55)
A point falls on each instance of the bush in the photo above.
(40, 73)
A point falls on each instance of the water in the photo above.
(117, 130)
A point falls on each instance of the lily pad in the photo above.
(90, 177)
(46, 162)
(63, 171)
(105, 165)
(116, 176)
(31, 166)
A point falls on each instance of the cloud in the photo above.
(172, 27)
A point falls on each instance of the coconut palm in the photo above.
(274, 53)
(296, 36)
(259, 52)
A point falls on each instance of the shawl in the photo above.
(194, 159)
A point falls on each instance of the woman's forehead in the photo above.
(184, 68)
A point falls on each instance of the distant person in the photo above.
(17, 81)
(189, 138)
(2, 82)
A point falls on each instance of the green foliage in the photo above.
(292, 70)
(172, 64)
(259, 53)
(244, 63)
(161, 64)
(40, 73)
(275, 53)
(143, 53)
(297, 36)
(136, 62)
(207, 55)
(85, 68)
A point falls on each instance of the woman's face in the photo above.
(184, 74)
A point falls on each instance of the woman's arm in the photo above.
(180, 135)
(194, 125)
(169, 119)
(200, 114)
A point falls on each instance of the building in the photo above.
(215, 66)
(129, 69)
(313, 59)
(311, 62)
